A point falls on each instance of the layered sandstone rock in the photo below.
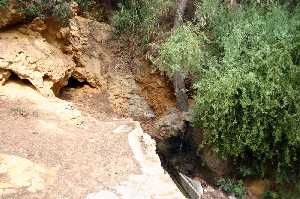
(85, 39)
(30, 56)
(25, 52)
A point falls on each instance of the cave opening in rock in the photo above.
(73, 86)
(75, 83)
(15, 78)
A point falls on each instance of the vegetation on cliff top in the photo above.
(59, 9)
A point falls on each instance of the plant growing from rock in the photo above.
(141, 17)
(84, 4)
(246, 66)
(46, 8)
(3, 3)
(231, 186)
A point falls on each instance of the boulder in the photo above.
(10, 14)
(192, 187)
(214, 162)
(173, 123)
(27, 54)
(257, 187)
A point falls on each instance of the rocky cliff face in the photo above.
(85, 39)
(25, 52)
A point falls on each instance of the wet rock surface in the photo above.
(174, 123)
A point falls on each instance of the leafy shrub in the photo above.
(232, 187)
(62, 11)
(3, 3)
(140, 17)
(32, 11)
(248, 85)
(58, 9)
(249, 104)
(181, 51)
(286, 192)
(84, 4)
(46, 8)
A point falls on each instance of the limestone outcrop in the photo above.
(4, 76)
(85, 40)
(27, 54)
(65, 153)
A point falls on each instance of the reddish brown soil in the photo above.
(155, 88)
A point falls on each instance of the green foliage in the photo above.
(232, 187)
(248, 83)
(46, 8)
(32, 11)
(270, 195)
(246, 171)
(3, 3)
(285, 192)
(178, 53)
(84, 4)
(59, 9)
(249, 103)
(140, 17)
(136, 16)
(62, 12)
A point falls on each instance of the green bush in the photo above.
(84, 4)
(249, 103)
(46, 8)
(140, 17)
(232, 187)
(286, 192)
(62, 11)
(248, 83)
(32, 11)
(3, 3)
(181, 51)
(59, 9)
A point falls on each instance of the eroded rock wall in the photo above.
(84, 40)
(27, 54)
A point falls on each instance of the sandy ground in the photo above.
(85, 152)
(80, 148)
